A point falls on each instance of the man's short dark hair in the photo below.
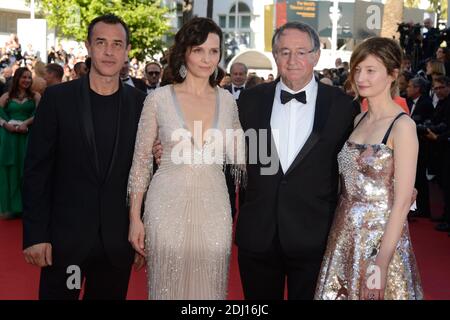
(55, 69)
(442, 79)
(77, 66)
(109, 19)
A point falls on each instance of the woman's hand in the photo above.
(431, 135)
(157, 151)
(23, 128)
(136, 236)
(10, 128)
(374, 283)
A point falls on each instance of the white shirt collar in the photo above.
(416, 99)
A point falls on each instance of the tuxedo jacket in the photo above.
(230, 89)
(297, 206)
(66, 203)
(139, 84)
(423, 109)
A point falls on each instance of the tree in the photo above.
(393, 15)
(146, 19)
(440, 7)
(412, 3)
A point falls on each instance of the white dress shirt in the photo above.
(128, 81)
(237, 92)
(413, 107)
(292, 123)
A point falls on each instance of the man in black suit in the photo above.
(238, 73)
(153, 72)
(76, 171)
(129, 80)
(421, 109)
(283, 225)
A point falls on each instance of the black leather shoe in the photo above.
(444, 227)
(418, 214)
(437, 219)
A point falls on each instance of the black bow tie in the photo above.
(286, 97)
(238, 88)
(126, 79)
(151, 87)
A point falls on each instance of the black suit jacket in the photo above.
(423, 109)
(139, 84)
(230, 89)
(65, 201)
(298, 206)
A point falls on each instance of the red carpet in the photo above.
(19, 280)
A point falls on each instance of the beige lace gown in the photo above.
(187, 213)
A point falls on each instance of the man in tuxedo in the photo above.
(439, 136)
(129, 80)
(421, 109)
(153, 72)
(238, 73)
(283, 224)
(76, 171)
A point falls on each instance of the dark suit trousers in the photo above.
(232, 191)
(264, 275)
(423, 196)
(102, 280)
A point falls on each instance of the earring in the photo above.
(216, 73)
(183, 71)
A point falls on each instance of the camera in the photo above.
(436, 128)
(409, 34)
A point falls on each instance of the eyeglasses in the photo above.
(285, 54)
(153, 73)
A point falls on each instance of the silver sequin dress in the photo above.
(367, 179)
(187, 214)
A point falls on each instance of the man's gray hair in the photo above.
(303, 27)
(420, 83)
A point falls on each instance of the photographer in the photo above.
(438, 133)
(421, 110)
(411, 42)
(430, 39)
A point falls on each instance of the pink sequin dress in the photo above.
(367, 180)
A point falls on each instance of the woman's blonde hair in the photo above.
(386, 50)
(437, 67)
(39, 69)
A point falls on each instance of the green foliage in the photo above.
(147, 20)
(412, 3)
(435, 4)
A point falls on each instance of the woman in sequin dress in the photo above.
(187, 217)
(369, 253)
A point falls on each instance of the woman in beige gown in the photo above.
(187, 222)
